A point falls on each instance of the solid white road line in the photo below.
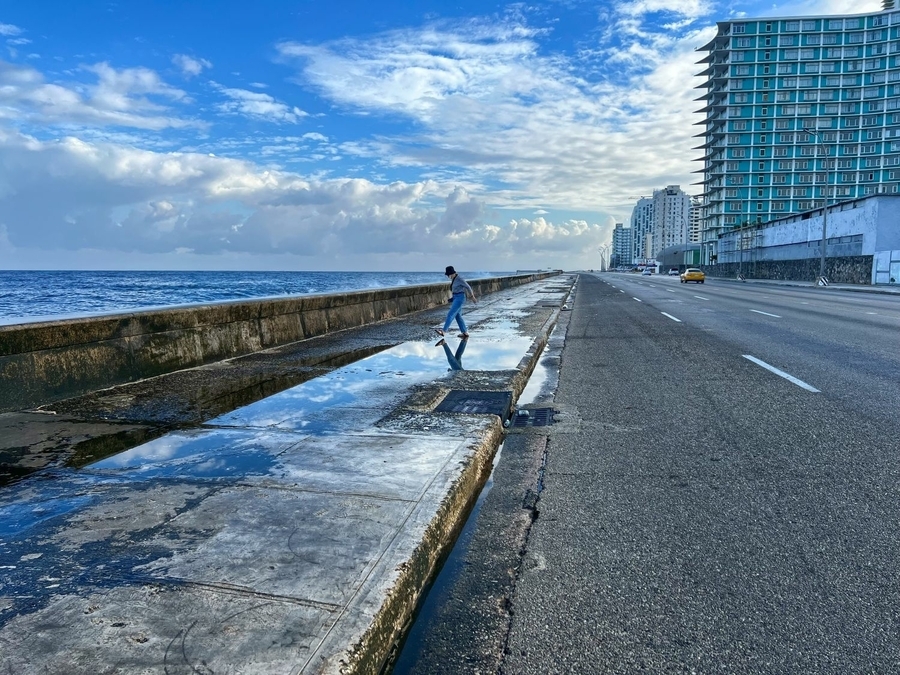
(766, 313)
(671, 317)
(700, 297)
(781, 373)
(638, 299)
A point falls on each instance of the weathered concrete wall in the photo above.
(846, 270)
(49, 361)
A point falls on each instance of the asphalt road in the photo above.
(721, 494)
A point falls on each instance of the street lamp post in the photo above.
(822, 279)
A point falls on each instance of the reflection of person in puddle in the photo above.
(455, 360)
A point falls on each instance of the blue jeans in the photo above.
(455, 360)
(456, 313)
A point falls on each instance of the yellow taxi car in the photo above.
(693, 274)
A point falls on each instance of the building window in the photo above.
(804, 109)
(851, 24)
(808, 54)
(738, 153)
(738, 28)
(828, 67)
(809, 25)
(875, 106)
(833, 53)
(759, 206)
(829, 39)
(779, 178)
(791, 54)
(871, 121)
(813, 39)
(780, 152)
(782, 96)
(786, 41)
(854, 38)
(871, 92)
(740, 98)
(742, 70)
(873, 135)
(785, 69)
(792, 26)
(742, 43)
(785, 138)
(782, 124)
(739, 126)
(831, 109)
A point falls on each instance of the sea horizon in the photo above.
(31, 296)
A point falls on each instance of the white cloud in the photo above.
(190, 66)
(258, 105)
(118, 98)
(492, 107)
(9, 29)
(126, 201)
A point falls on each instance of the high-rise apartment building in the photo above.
(671, 217)
(797, 109)
(641, 230)
(621, 246)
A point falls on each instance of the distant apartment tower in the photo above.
(671, 217)
(771, 79)
(695, 225)
(641, 230)
(621, 246)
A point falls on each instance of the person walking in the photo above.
(459, 288)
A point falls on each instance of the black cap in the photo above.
(449, 271)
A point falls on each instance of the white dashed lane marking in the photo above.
(781, 373)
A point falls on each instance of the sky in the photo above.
(346, 135)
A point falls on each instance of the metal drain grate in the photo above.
(477, 402)
(536, 417)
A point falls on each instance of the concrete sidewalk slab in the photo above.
(294, 535)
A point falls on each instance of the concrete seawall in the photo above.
(48, 361)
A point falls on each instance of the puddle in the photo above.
(361, 393)
(207, 454)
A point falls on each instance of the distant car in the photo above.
(693, 274)
(647, 273)
(673, 272)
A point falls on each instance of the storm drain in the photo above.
(477, 402)
(536, 417)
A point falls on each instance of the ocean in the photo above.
(28, 296)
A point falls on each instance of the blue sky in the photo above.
(343, 135)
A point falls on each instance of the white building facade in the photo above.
(642, 231)
(671, 217)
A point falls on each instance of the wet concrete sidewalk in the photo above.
(292, 535)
